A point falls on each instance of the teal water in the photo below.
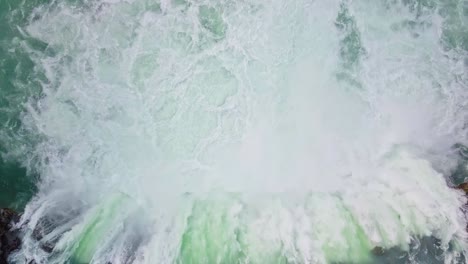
(18, 83)
(191, 131)
(16, 186)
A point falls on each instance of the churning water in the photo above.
(237, 131)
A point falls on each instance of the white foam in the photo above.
(153, 101)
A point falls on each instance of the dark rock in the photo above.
(463, 187)
(378, 251)
(41, 230)
(47, 247)
(8, 218)
(9, 237)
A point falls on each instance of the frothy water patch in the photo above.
(243, 132)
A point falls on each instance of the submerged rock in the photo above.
(9, 239)
(463, 187)
(378, 251)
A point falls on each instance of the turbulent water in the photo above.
(235, 131)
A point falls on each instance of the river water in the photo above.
(235, 131)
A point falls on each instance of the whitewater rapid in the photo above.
(191, 131)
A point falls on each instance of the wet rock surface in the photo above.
(459, 177)
(463, 187)
(9, 237)
(378, 251)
